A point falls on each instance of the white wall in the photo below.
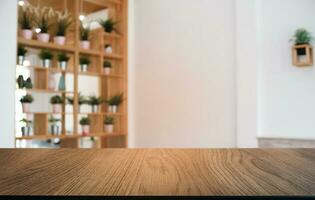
(7, 71)
(184, 73)
(286, 92)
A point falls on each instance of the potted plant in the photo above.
(108, 49)
(26, 102)
(114, 102)
(107, 66)
(21, 54)
(63, 60)
(84, 37)
(26, 19)
(84, 63)
(85, 123)
(26, 129)
(54, 127)
(24, 84)
(43, 17)
(82, 100)
(108, 25)
(109, 124)
(46, 56)
(302, 37)
(56, 102)
(64, 21)
(94, 102)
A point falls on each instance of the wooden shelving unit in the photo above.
(109, 85)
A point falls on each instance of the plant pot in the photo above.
(54, 130)
(60, 40)
(95, 108)
(83, 67)
(56, 108)
(27, 34)
(108, 50)
(85, 44)
(46, 63)
(113, 109)
(52, 83)
(63, 65)
(107, 70)
(43, 37)
(85, 130)
(26, 107)
(109, 128)
(20, 60)
(26, 131)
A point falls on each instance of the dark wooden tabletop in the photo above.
(158, 172)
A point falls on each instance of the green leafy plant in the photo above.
(82, 100)
(21, 51)
(93, 100)
(56, 100)
(302, 36)
(107, 64)
(109, 120)
(108, 25)
(26, 122)
(53, 120)
(64, 21)
(84, 61)
(27, 99)
(20, 81)
(84, 33)
(85, 121)
(115, 100)
(43, 16)
(46, 54)
(28, 83)
(26, 17)
(62, 57)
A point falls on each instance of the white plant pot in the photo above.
(109, 128)
(63, 65)
(60, 40)
(52, 83)
(95, 108)
(83, 68)
(46, 63)
(54, 130)
(85, 130)
(43, 37)
(107, 70)
(26, 107)
(109, 50)
(20, 60)
(56, 108)
(113, 109)
(27, 34)
(85, 44)
(26, 131)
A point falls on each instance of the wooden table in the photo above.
(157, 172)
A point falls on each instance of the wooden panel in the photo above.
(41, 79)
(229, 172)
(69, 143)
(96, 123)
(41, 124)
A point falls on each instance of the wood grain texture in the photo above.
(158, 172)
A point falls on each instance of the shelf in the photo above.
(44, 113)
(90, 52)
(113, 35)
(100, 113)
(46, 137)
(37, 44)
(44, 91)
(112, 56)
(100, 74)
(51, 69)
